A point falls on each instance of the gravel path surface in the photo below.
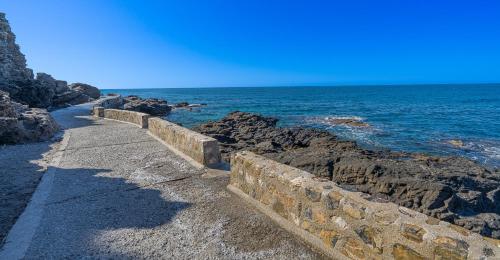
(112, 191)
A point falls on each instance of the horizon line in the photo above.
(322, 85)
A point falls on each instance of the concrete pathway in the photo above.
(112, 191)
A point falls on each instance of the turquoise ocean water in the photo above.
(419, 118)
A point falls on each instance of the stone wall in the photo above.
(137, 118)
(349, 224)
(201, 148)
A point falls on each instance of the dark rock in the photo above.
(453, 189)
(152, 106)
(349, 122)
(181, 104)
(61, 86)
(86, 89)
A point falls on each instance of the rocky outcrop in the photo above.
(43, 91)
(453, 189)
(181, 104)
(186, 105)
(86, 89)
(152, 106)
(19, 123)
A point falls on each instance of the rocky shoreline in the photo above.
(152, 106)
(452, 189)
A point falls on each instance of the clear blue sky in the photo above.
(140, 43)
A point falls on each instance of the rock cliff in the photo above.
(24, 97)
(42, 91)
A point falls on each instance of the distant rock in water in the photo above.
(181, 104)
(21, 124)
(43, 91)
(456, 143)
(152, 106)
(453, 189)
(186, 105)
(349, 122)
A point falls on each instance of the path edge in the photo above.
(21, 234)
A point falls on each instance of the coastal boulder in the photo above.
(20, 124)
(86, 89)
(152, 106)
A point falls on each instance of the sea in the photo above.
(447, 119)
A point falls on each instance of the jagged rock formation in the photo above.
(453, 189)
(152, 106)
(19, 123)
(43, 91)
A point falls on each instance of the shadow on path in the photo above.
(19, 177)
(83, 204)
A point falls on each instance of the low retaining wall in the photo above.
(98, 111)
(350, 224)
(137, 118)
(201, 148)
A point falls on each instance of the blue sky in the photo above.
(147, 44)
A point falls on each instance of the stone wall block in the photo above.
(402, 252)
(136, 118)
(98, 111)
(413, 232)
(349, 223)
(201, 148)
(354, 210)
(450, 248)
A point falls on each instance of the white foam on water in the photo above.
(485, 151)
(361, 134)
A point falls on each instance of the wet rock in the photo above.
(181, 104)
(452, 189)
(152, 106)
(349, 122)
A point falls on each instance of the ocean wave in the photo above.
(489, 149)
(354, 128)
(485, 151)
